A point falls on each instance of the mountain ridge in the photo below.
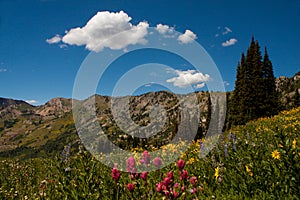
(29, 130)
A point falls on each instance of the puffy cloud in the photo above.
(227, 30)
(189, 77)
(164, 29)
(31, 101)
(187, 37)
(53, 40)
(200, 85)
(230, 42)
(107, 29)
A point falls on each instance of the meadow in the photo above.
(259, 160)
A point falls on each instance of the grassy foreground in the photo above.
(257, 161)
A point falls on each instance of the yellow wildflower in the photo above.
(294, 143)
(249, 170)
(182, 155)
(276, 154)
(217, 170)
(191, 160)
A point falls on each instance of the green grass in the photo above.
(240, 168)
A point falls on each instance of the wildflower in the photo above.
(130, 187)
(144, 175)
(131, 165)
(191, 160)
(180, 164)
(159, 187)
(176, 185)
(193, 191)
(217, 170)
(115, 173)
(65, 154)
(146, 158)
(167, 181)
(193, 180)
(201, 146)
(249, 170)
(175, 194)
(182, 188)
(226, 149)
(294, 143)
(183, 175)
(170, 175)
(157, 162)
(276, 154)
(68, 169)
(166, 193)
(233, 141)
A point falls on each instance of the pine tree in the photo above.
(237, 102)
(253, 86)
(270, 103)
(249, 100)
(254, 94)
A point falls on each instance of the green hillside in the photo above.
(260, 160)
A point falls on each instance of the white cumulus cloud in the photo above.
(230, 42)
(164, 29)
(189, 77)
(53, 40)
(107, 29)
(32, 101)
(187, 37)
(200, 85)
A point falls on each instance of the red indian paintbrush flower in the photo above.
(170, 175)
(183, 175)
(193, 180)
(130, 165)
(146, 158)
(180, 164)
(115, 174)
(130, 187)
(144, 175)
(157, 162)
(159, 187)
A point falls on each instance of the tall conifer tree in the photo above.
(270, 106)
(254, 94)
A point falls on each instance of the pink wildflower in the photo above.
(115, 173)
(130, 187)
(157, 162)
(180, 164)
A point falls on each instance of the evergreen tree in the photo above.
(271, 99)
(248, 100)
(254, 94)
(237, 102)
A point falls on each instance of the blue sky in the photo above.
(33, 69)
